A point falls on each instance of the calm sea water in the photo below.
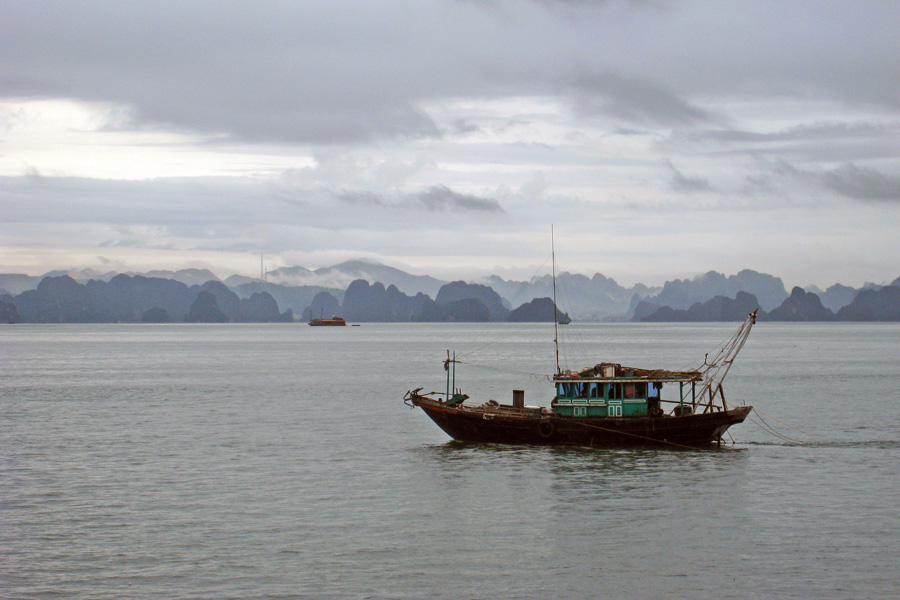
(278, 461)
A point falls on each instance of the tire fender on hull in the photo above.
(546, 428)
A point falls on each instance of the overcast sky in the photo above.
(662, 139)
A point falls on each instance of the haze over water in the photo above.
(278, 461)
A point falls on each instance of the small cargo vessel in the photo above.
(332, 322)
(606, 405)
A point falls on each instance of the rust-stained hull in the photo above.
(507, 425)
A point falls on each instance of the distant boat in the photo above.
(332, 322)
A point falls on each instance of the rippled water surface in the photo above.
(278, 461)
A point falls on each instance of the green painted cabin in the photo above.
(620, 392)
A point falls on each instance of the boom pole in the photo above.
(715, 370)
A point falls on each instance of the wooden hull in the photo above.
(505, 425)
(328, 323)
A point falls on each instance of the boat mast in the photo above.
(555, 310)
(450, 367)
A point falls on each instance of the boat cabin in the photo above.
(610, 390)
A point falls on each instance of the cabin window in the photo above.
(627, 391)
(654, 390)
(571, 390)
(595, 390)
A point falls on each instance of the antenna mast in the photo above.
(555, 310)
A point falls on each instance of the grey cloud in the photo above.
(341, 72)
(463, 126)
(761, 184)
(184, 214)
(442, 198)
(830, 142)
(682, 183)
(633, 100)
(807, 132)
(168, 202)
(629, 131)
(361, 123)
(863, 184)
(823, 140)
(285, 73)
(437, 198)
(848, 180)
(361, 198)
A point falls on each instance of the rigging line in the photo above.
(488, 328)
(490, 324)
(643, 437)
(818, 439)
(576, 346)
(719, 351)
(765, 427)
(504, 370)
(539, 269)
(478, 349)
(761, 423)
(576, 339)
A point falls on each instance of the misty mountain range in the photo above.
(396, 295)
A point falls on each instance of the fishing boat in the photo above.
(605, 405)
(332, 322)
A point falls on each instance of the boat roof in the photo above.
(621, 373)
